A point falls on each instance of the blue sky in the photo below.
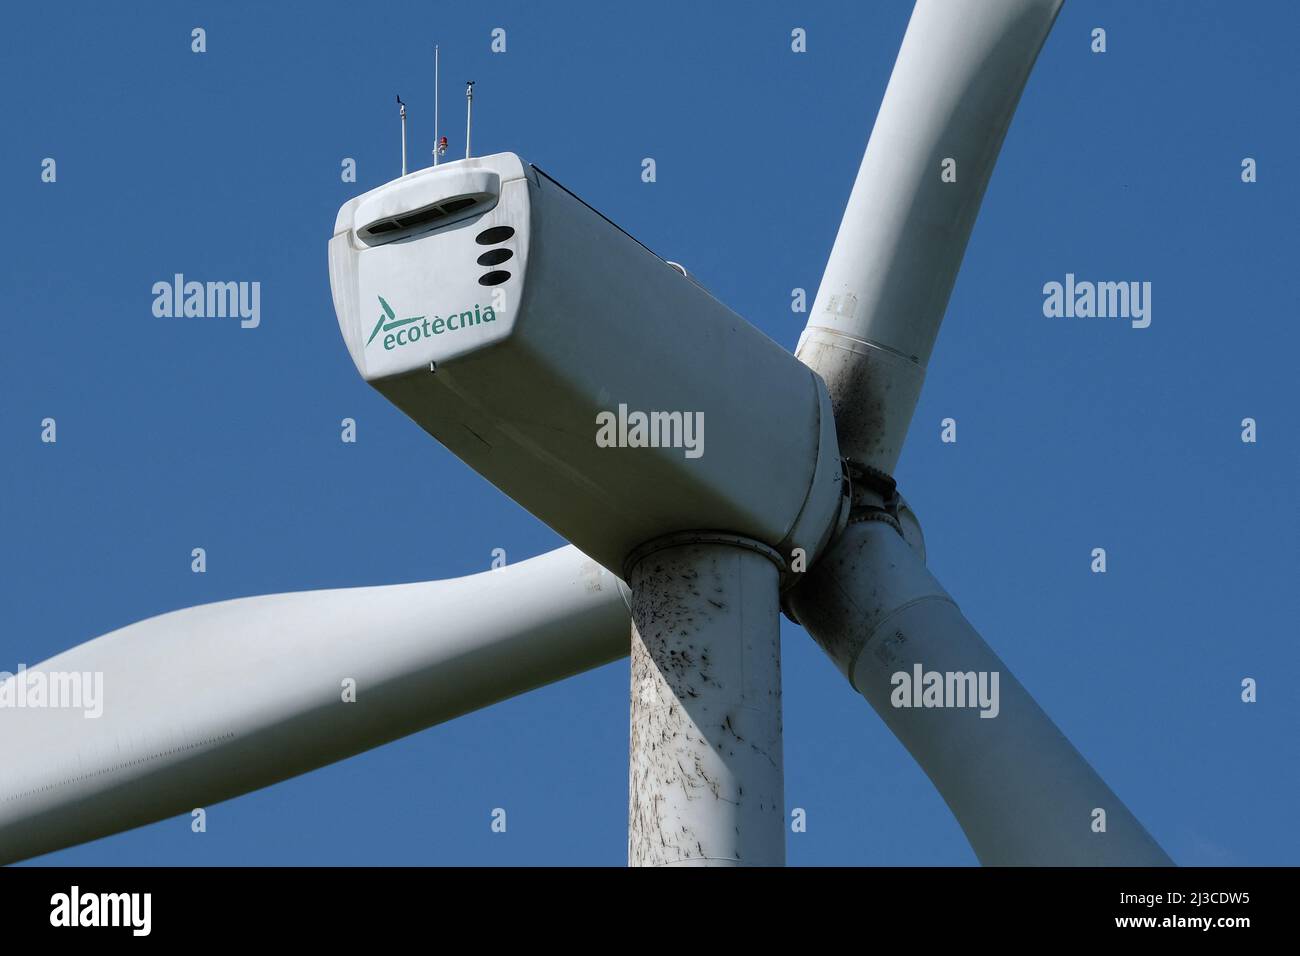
(1072, 434)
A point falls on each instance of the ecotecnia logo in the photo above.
(399, 332)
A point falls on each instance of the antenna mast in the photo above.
(402, 107)
(436, 143)
(469, 112)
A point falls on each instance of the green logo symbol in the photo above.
(400, 332)
(389, 321)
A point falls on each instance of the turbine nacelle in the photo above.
(600, 387)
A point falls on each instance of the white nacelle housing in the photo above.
(512, 321)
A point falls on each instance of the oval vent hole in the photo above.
(495, 277)
(494, 257)
(490, 237)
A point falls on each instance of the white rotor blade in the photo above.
(210, 702)
(1020, 790)
(955, 86)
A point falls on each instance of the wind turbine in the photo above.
(520, 320)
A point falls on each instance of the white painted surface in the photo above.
(706, 780)
(1024, 796)
(955, 86)
(210, 702)
(589, 320)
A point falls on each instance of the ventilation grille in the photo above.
(421, 220)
